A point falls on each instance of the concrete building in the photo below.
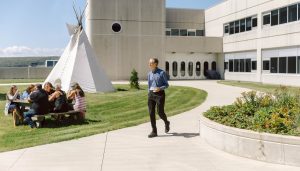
(247, 40)
(261, 39)
(126, 33)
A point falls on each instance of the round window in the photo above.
(116, 27)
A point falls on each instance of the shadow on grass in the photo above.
(185, 135)
(52, 123)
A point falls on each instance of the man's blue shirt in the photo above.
(157, 79)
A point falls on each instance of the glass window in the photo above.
(191, 33)
(298, 64)
(175, 69)
(243, 25)
(231, 29)
(266, 65)
(190, 69)
(254, 22)
(248, 24)
(198, 69)
(205, 69)
(293, 13)
(248, 65)
(282, 65)
(214, 65)
(274, 17)
(226, 29)
(49, 63)
(237, 26)
(266, 19)
(201, 32)
(254, 65)
(283, 15)
(242, 65)
(274, 65)
(292, 64)
(183, 32)
(236, 65)
(298, 11)
(230, 65)
(168, 32)
(167, 68)
(175, 32)
(182, 69)
(226, 65)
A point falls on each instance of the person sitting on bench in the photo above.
(12, 95)
(40, 104)
(60, 100)
(76, 94)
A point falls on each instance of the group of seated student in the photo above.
(48, 99)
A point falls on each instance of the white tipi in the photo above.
(78, 63)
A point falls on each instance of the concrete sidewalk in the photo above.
(130, 149)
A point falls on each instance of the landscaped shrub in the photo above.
(134, 80)
(274, 113)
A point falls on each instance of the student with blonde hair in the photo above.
(11, 95)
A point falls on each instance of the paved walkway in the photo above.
(130, 149)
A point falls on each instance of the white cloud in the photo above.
(23, 51)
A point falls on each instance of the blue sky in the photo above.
(37, 27)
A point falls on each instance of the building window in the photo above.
(191, 32)
(168, 32)
(49, 63)
(214, 66)
(225, 65)
(266, 19)
(230, 65)
(282, 65)
(116, 27)
(292, 65)
(274, 17)
(254, 65)
(198, 69)
(298, 11)
(236, 65)
(274, 65)
(174, 69)
(174, 32)
(266, 65)
(201, 32)
(248, 65)
(248, 24)
(190, 69)
(226, 29)
(167, 68)
(293, 13)
(231, 29)
(298, 64)
(183, 32)
(205, 68)
(242, 65)
(283, 15)
(237, 26)
(254, 22)
(182, 69)
(243, 25)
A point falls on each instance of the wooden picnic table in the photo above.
(17, 114)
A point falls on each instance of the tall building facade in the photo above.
(261, 39)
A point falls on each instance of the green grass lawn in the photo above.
(269, 88)
(7, 81)
(105, 112)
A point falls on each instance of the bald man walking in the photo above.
(157, 83)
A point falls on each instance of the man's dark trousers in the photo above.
(156, 100)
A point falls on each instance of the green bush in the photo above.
(277, 113)
(134, 80)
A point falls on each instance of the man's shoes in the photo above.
(152, 134)
(167, 127)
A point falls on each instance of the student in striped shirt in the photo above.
(76, 94)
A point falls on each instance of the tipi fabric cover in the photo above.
(78, 63)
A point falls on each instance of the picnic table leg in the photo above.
(14, 113)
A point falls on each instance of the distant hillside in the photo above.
(25, 61)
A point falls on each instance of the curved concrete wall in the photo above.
(259, 146)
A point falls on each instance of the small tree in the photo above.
(134, 80)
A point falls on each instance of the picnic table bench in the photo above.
(40, 119)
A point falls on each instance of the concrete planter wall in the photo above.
(259, 146)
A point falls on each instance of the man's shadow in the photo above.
(185, 135)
